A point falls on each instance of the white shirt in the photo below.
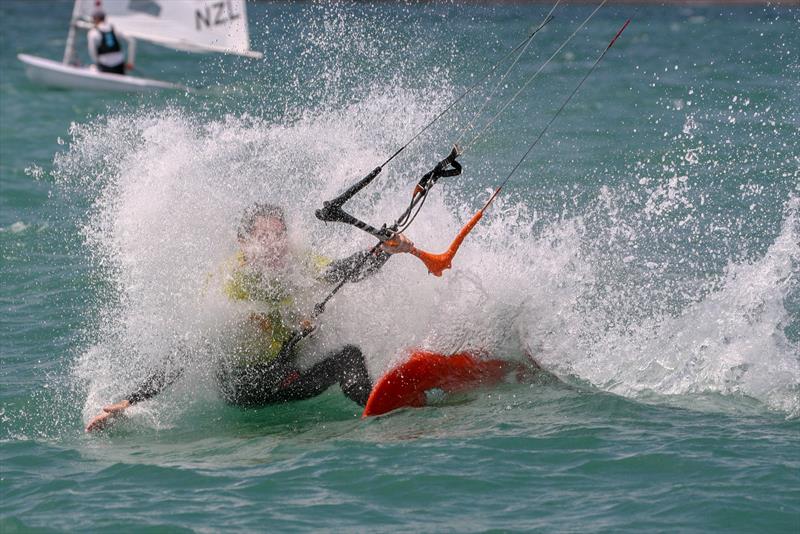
(107, 60)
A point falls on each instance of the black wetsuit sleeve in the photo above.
(154, 384)
(356, 267)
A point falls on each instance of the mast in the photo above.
(69, 49)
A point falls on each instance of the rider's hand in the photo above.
(398, 244)
(107, 416)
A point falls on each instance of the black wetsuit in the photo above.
(281, 380)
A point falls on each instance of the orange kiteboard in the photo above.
(405, 385)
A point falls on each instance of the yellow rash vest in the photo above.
(275, 315)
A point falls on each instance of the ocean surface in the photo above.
(646, 254)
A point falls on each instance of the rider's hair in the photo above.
(255, 211)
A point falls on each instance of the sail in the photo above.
(192, 25)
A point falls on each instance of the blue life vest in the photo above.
(108, 43)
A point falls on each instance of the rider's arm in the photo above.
(131, 61)
(151, 387)
(355, 267)
(365, 263)
(93, 39)
(155, 384)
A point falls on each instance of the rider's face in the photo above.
(267, 242)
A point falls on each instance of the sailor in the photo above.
(104, 46)
(266, 276)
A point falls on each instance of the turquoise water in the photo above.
(647, 254)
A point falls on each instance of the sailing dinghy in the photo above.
(188, 25)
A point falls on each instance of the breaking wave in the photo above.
(637, 291)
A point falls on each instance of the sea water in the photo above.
(646, 254)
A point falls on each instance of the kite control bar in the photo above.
(332, 211)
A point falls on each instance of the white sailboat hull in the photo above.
(56, 74)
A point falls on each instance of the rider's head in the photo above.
(98, 16)
(262, 234)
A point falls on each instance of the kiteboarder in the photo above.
(104, 46)
(260, 368)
